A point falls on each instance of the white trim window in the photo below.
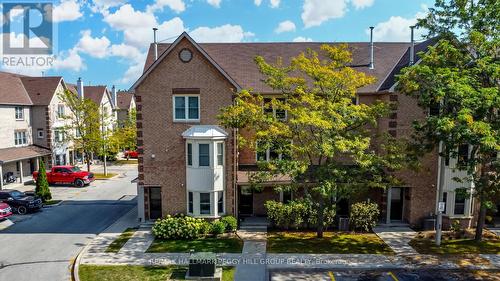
(59, 136)
(186, 107)
(280, 114)
(270, 154)
(220, 154)
(189, 154)
(220, 202)
(190, 202)
(204, 155)
(20, 138)
(205, 206)
(60, 111)
(19, 113)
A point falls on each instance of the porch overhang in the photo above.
(13, 154)
(243, 178)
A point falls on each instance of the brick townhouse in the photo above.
(188, 164)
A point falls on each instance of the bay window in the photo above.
(220, 202)
(190, 154)
(220, 153)
(190, 202)
(205, 203)
(204, 155)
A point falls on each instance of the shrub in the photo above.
(178, 227)
(231, 223)
(364, 215)
(218, 227)
(205, 228)
(42, 185)
(297, 214)
(456, 226)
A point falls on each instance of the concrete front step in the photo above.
(254, 228)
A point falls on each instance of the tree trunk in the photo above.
(480, 221)
(321, 208)
(87, 156)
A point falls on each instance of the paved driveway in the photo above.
(41, 246)
(395, 275)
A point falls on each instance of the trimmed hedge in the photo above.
(297, 214)
(184, 227)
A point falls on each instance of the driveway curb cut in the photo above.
(53, 205)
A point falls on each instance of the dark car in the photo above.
(20, 202)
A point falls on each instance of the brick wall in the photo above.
(159, 135)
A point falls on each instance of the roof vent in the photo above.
(412, 46)
(371, 66)
(155, 42)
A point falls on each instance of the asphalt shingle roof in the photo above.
(237, 59)
(12, 90)
(41, 89)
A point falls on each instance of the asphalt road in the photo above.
(42, 245)
(380, 275)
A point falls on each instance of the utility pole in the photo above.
(104, 138)
(441, 204)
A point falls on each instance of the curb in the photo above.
(75, 267)
(53, 205)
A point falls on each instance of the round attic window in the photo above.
(185, 55)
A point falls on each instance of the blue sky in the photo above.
(105, 41)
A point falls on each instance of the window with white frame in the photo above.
(271, 153)
(186, 108)
(190, 154)
(20, 138)
(204, 155)
(204, 203)
(59, 136)
(220, 153)
(220, 202)
(19, 112)
(459, 208)
(60, 111)
(190, 202)
(39, 133)
(278, 113)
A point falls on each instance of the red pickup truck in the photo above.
(67, 175)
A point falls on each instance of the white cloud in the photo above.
(302, 39)
(103, 5)
(137, 26)
(315, 12)
(285, 26)
(215, 3)
(72, 61)
(257, 2)
(223, 33)
(175, 5)
(125, 51)
(361, 4)
(134, 71)
(68, 10)
(275, 3)
(397, 29)
(95, 47)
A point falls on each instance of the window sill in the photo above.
(187, 121)
(459, 217)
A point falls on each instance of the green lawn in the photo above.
(101, 176)
(116, 245)
(142, 273)
(456, 246)
(209, 244)
(331, 243)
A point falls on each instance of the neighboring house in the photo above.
(18, 154)
(50, 116)
(126, 104)
(188, 164)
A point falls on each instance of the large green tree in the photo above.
(325, 143)
(460, 77)
(84, 125)
(125, 136)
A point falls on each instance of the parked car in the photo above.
(68, 175)
(131, 154)
(20, 202)
(5, 211)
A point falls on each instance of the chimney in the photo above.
(371, 66)
(412, 47)
(79, 88)
(113, 96)
(155, 42)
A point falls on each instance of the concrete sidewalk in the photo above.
(397, 238)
